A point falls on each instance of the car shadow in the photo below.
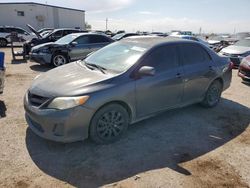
(3, 109)
(41, 68)
(164, 141)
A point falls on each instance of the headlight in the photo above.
(62, 103)
(44, 50)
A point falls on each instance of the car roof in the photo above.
(82, 33)
(150, 41)
(66, 29)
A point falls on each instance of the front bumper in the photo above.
(59, 125)
(41, 58)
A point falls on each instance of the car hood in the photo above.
(235, 49)
(46, 45)
(70, 80)
(34, 31)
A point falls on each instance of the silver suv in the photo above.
(5, 32)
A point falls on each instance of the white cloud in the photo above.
(167, 24)
(147, 13)
(102, 5)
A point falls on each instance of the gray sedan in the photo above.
(237, 52)
(123, 83)
(69, 48)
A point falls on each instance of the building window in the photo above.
(20, 13)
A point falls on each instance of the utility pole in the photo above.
(107, 24)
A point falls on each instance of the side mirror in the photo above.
(74, 43)
(146, 71)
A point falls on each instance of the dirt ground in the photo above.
(190, 147)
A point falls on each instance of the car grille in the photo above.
(36, 100)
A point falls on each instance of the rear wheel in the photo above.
(59, 59)
(109, 124)
(3, 42)
(213, 94)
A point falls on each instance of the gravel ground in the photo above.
(190, 147)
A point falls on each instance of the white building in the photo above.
(40, 16)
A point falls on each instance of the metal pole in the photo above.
(106, 24)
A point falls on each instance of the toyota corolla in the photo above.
(123, 83)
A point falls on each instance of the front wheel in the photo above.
(109, 124)
(59, 59)
(213, 95)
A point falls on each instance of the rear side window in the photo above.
(98, 39)
(163, 58)
(193, 54)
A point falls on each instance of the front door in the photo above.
(163, 90)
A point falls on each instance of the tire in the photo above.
(109, 124)
(213, 95)
(3, 42)
(59, 59)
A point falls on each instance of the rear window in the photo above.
(193, 54)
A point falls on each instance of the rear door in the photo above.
(198, 71)
(164, 89)
(98, 41)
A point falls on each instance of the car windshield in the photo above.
(67, 39)
(118, 57)
(244, 42)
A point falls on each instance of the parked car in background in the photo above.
(45, 29)
(51, 37)
(190, 37)
(244, 69)
(237, 51)
(5, 33)
(69, 48)
(2, 72)
(159, 34)
(123, 35)
(123, 83)
(218, 42)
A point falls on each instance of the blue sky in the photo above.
(158, 15)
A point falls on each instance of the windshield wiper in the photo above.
(102, 69)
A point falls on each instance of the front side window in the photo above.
(67, 39)
(163, 58)
(82, 40)
(193, 54)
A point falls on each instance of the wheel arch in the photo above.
(122, 103)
